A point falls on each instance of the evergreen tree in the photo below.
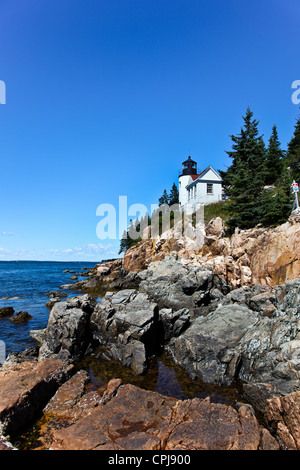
(246, 176)
(174, 195)
(275, 206)
(124, 242)
(127, 242)
(293, 153)
(164, 199)
(274, 160)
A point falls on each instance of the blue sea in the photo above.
(23, 286)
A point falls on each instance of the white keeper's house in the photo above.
(202, 187)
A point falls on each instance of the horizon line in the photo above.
(54, 261)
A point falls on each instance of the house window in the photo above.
(209, 188)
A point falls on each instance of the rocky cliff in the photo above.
(261, 255)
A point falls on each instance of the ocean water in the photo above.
(23, 286)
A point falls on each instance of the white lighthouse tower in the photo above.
(189, 168)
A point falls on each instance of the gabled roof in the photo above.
(199, 177)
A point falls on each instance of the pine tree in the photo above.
(124, 242)
(293, 153)
(164, 199)
(275, 158)
(246, 176)
(275, 206)
(127, 242)
(174, 195)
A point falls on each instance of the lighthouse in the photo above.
(188, 172)
(203, 188)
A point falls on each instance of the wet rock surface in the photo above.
(6, 312)
(125, 417)
(283, 418)
(26, 388)
(20, 317)
(209, 348)
(5, 444)
(129, 418)
(235, 341)
(67, 333)
(126, 324)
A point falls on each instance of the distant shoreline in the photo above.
(56, 261)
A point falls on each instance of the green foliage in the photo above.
(258, 182)
(164, 199)
(168, 199)
(171, 198)
(217, 209)
(275, 205)
(174, 195)
(127, 241)
(274, 159)
(293, 153)
(246, 177)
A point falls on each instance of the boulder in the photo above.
(215, 228)
(139, 256)
(258, 394)
(71, 402)
(271, 350)
(103, 270)
(6, 312)
(208, 349)
(57, 293)
(20, 317)
(67, 335)
(52, 301)
(67, 403)
(173, 323)
(125, 324)
(5, 444)
(28, 355)
(283, 417)
(38, 335)
(172, 284)
(26, 388)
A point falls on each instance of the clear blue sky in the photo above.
(107, 98)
